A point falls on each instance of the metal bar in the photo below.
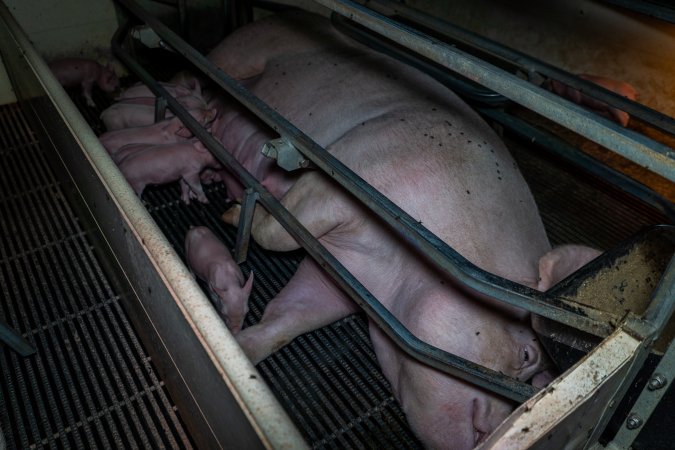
(662, 305)
(160, 109)
(559, 147)
(648, 8)
(649, 398)
(14, 340)
(528, 64)
(634, 146)
(245, 223)
(427, 354)
(474, 279)
(545, 139)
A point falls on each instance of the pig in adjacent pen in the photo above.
(426, 150)
(74, 72)
(165, 132)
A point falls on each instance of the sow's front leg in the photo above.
(310, 300)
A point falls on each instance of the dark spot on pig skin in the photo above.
(283, 73)
(468, 192)
(310, 114)
(252, 377)
(468, 142)
(431, 137)
(309, 63)
(525, 430)
(449, 124)
(433, 109)
(499, 178)
(477, 333)
(363, 123)
(402, 120)
(440, 144)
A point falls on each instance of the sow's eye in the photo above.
(528, 356)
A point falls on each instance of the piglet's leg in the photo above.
(86, 92)
(194, 182)
(309, 301)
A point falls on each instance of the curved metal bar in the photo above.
(418, 349)
(644, 151)
(473, 279)
(528, 63)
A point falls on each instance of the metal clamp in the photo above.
(288, 157)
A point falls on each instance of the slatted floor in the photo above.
(328, 380)
(90, 384)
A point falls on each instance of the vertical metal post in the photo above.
(160, 109)
(245, 223)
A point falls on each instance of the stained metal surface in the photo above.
(91, 383)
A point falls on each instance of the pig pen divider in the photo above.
(488, 102)
(587, 319)
(525, 63)
(646, 152)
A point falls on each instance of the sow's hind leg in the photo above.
(310, 300)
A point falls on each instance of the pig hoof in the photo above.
(231, 216)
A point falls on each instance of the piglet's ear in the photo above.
(199, 146)
(246, 289)
(184, 132)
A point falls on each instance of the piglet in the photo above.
(210, 260)
(72, 72)
(138, 112)
(185, 87)
(620, 87)
(162, 164)
(164, 132)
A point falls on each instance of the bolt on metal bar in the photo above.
(427, 354)
(473, 279)
(528, 64)
(652, 155)
(648, 400)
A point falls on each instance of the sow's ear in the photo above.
(559, 263)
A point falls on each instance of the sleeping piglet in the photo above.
(140, 111)
(162, 164)
(620, 87)
(72, 72)
(164, 132)
(210, 260)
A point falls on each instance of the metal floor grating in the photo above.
(329, 380)
(90, 384)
